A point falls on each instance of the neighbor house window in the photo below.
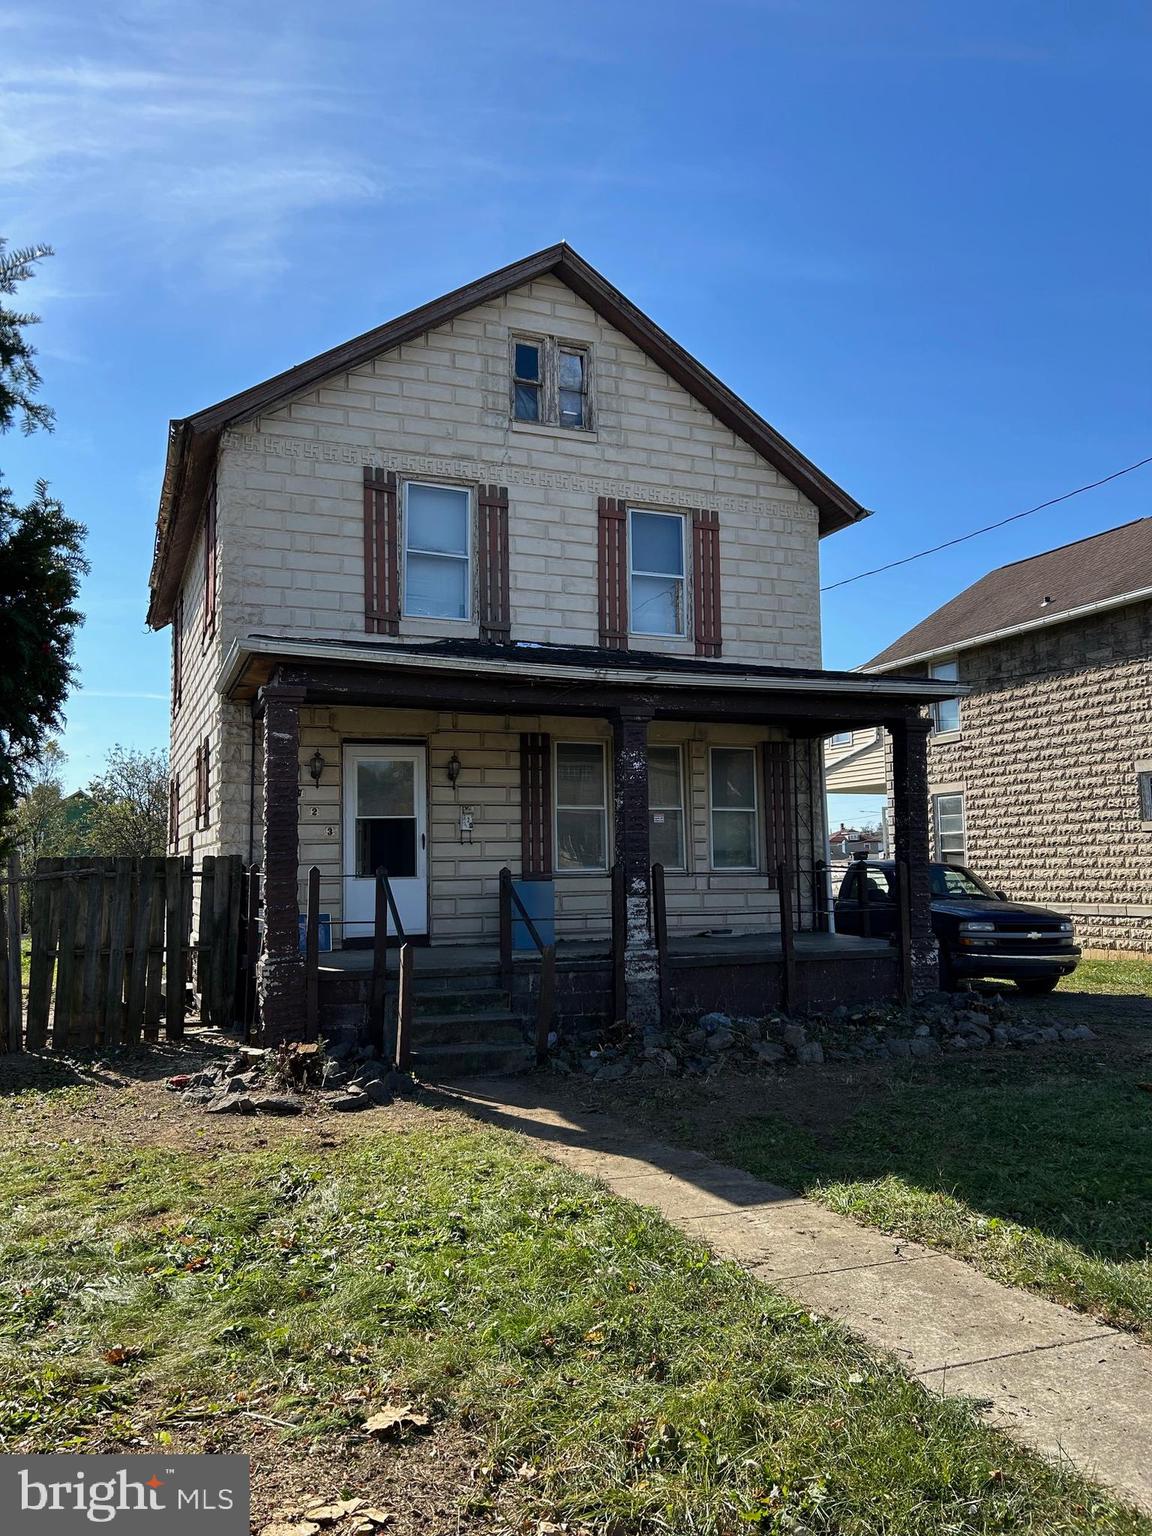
(581, 806)
(550, 382)
(841, 739)
(1144, 788)
(437, 551)
(946, 714)
(657, 597)
(735, 840)
(666, 807)
(948, 816)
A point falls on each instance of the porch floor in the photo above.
(739, 949)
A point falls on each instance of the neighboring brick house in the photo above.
(1041, 776)
(510, 581)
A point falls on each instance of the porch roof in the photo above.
(533, 678)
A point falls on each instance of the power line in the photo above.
(976, 532)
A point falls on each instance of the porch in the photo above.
(538, 768)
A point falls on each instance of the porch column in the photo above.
(910, 807)
(630, 790)
(280, 972)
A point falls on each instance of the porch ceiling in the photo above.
(471, 677)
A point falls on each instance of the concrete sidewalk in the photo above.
(1057, 1381)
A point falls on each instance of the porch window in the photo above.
(581, 806)
(657, 599)
(948, 816)
(735, 837)
(437, 551)
(946, 714)
(666, 806)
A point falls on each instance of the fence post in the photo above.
(404, 1009)
(87, 1017)
(64, 1004)
(619, 940)
(660, 937)
(904, 930)
(117, 945)
(45, 916)
(15, 1024)
(174, 978)
(312, 955)
(506, 928)
(378, 991)
(787, 936)
(138, 973)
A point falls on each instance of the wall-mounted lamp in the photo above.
(452, 768)
(316, 765)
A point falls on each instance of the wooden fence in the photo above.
(113, 949)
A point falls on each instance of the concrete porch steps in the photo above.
(439, 1063)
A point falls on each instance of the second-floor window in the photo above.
(550, 382)
(657, 596)
(946, 714)
(437, 551)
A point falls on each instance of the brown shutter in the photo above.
(381, 553)
(777, 803)
(612, 546)
(535, 805)
(207, 780)
(174, 812)
(492, 539)
(706, 582)
(198, 762)
(208, 613)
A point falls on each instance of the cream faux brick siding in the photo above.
(464, 877)
(290, 487)
(1046, 758)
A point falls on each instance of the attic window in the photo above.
(550, 382)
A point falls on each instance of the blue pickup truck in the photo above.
(980, 931)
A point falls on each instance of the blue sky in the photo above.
(915, 237)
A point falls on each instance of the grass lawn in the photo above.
(1120, 974)
(614, 1375)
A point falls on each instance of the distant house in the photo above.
(1040, 778)
(845, 842)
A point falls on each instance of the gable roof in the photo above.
(1062, 584)
(193, 440)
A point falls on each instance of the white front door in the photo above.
(385, 827)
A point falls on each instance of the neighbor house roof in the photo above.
(1106, 570)
(193, 440)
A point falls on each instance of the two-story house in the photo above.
(511, 580)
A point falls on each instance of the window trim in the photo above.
(934, 670)
(735, 869)
(678, 748)
(1144, 794)
(590, 869)
(684, 632)
(465, 489)
(938, 848)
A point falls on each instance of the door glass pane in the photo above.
(436, 587)
(386, 787)
(666, 838)
(386, 843)
(733, 839)
(664, 776)
(580, 840)
(579, 774)
(734, 777)
(438, 519)
(657, 605)
(658, 543)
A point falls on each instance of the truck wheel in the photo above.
(1037, 984)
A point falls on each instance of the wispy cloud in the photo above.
(116, 693)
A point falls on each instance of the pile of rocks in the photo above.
(935, 1025)
(291, 1079)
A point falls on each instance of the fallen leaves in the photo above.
(349, 1514)
(394, 1420)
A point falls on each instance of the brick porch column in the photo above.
(910, 807)
(630, 791)
(280, 972)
